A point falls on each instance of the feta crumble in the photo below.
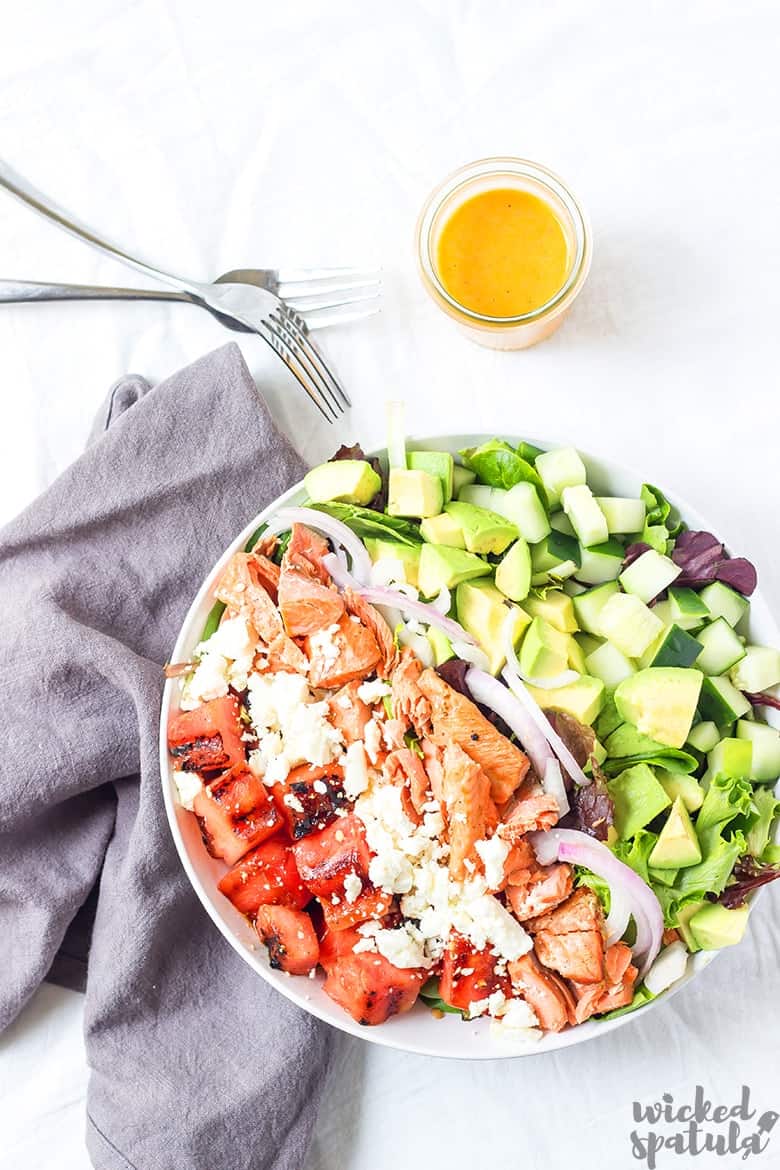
(224, 660)
(188, 785)
(493, 854)
(353, 887)
(374, 691)
(292, 727)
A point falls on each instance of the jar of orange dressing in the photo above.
(504, 248)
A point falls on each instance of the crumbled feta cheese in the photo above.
(320, 787)
(519, 1037)
(188, 785)
(224, 660)
(207, 681)
(355, 770)
(291, 726)
(391, 871)
(374, 691)
(292, 801)
(478, 1007)
(493, 854)
(403, 946)
(353, 887)
(373, 740)
(483, 920)
(519, 1014)
(323, 645)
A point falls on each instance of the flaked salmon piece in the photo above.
(520, 864)
(528, 815)
(348, 713)
(617, 960)
(267, 574)
(581, 911)
(432, 758)
(670, 935)
(457, 720)
(620, 994)
(373, 620)
(617, 988)
(351, 652)
(266, 545)
(405, 769)
(545, 888)
(240, 588)
(550, 998)
(577, 955)
(304, 553)
(393, 731)
(409, 703)
(307, 605)
(471, 813)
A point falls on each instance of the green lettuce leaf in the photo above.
(725, 800)
(585, 877)
(365, 522)
(719, 855)
(429, 994)
(662, 523)
(637, 851)
(499, 465)
(641, 997)
(766, 809)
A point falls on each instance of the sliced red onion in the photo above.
(330, 527)
(553, 785)
(339, 573)
(578, 849)
(444, 600)
(619, 915)
(493, 694)
(518, 689)
(419, 644)
(386, 570)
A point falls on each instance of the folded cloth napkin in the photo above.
(196, 1063)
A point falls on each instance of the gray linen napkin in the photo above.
(196, 1063)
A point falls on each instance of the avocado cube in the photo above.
(442, 529)
(438, 463)
(545, 651)
(348, 481)
(556, 608)
(513, 574)
(638, 798)
(483, 531)
(440, 644)
(416, 494)
(442, 567)
(484, 612)
(680, 784)
(732, 758)
(576, 656)
(461, 476)
(661, 702)
(677, 845)
(407, 554)
(714, 926)
(583, 699)
(684, 915)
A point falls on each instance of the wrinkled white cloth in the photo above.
(210, 138)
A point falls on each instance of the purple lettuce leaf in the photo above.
(702, 559)
(763, 700)
(749, 874)
(634, 551)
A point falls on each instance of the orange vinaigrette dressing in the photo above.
(503, 253)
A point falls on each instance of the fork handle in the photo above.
(20, 291)
(19, 187)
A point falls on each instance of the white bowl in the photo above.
(418, 1030)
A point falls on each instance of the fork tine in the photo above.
(293, 337)
(323, 318)
(299, 330)
(342, 276)
(269, 331)
(293, 290)
(306, 303)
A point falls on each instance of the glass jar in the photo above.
(486, 175)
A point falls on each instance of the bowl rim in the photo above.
(383, 1034)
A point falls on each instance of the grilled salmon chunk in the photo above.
(471, 813)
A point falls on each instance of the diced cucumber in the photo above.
(460, 477)
(758, 670)
(720, 647)
(557, 555)
(396, 435)
(622, 515)
(560, 522)
(732, 758)
(766, 749)
(675, 647)
(704, 736)
(556, 608)
(588, 606)
(722, 601)
(649, 575)
(573, 588)
(687, 609)
(559, 469)
(608, 664)
(629, 623)
(601, 562)
(439, 463)
(481, 495)
(521, 505)
(587, 642)
(721, 702)
(663, 611)
(585, 515)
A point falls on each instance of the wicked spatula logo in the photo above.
(668, 1127)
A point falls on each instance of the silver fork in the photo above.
(259, 310)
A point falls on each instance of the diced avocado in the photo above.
(484, 531)
(722, 601)
(714, 926)
(623, 515)
(758, 671)
(440, 644)
(609, 664)
(482, 495)
(688, 610)
(349, 481)
(407, 554)
(661, 702)
(442, 529)
(766, 749)
(627, 621)
(649, 575)
(544, 652)
(442, 567)
(559, 469)
(513, 574)
(587, 518)
(576, 656)
(720, 648)
(677, 845)
(414, 493)
(703, 736)
(556, 608)
(683, 918)
(484, 611)
(609, 718)
(638, 799)
(601, 562)
(732, 758)
(560, 522)
(588, 606)
(721, 702)
(681, 785)
(521, 505)
(674, 647)
(460, 477)
(626, 741)
(583, 699)
(557, 556)
(438, 463)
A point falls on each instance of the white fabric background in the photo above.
(213, 136)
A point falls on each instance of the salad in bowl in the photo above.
(467, 734)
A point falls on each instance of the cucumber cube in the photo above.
(720, 648)
(559, 469)
(521, 505)
(704, 736)
(732, 758)
(560, 522)
(649, 575)
(688, 610)
(601, 562)
(460, 477)
(675, 647)
(573, 588)
(766, 749)
(586, 516)
(439, 463)
(557, 556)
(608, 664)
(627, 621)
(622, 515)
(722, 601)
(588, 606)
(482, 496)
(758, 670)
(721, 702)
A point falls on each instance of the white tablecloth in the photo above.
(213, 136)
